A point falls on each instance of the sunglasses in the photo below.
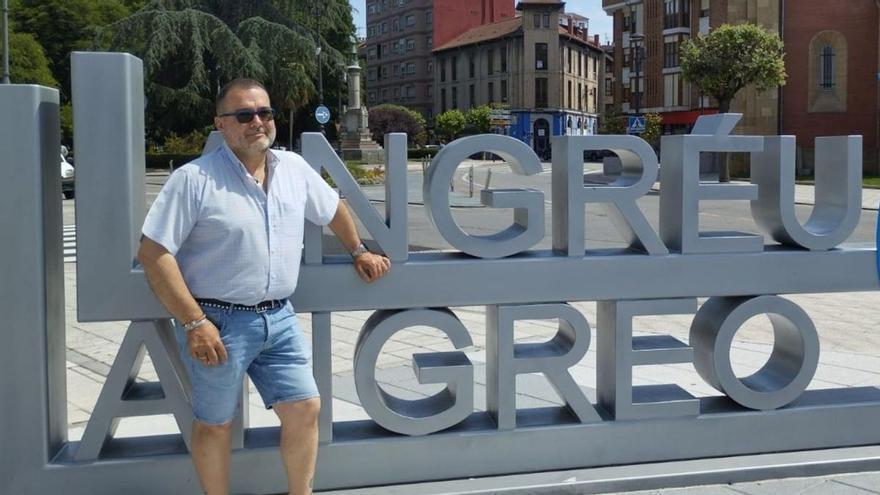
(245, 116)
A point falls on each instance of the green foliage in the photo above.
(653, 128)
(478, 119)
(162, 160)
(732, 57)
(395, 118)
(63, 26)
(27, 61)
(192, 47)
(362, 175)
(613, 123)
(66, 117)
(450, 124)
(192, 143)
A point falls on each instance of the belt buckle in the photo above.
(260, 308)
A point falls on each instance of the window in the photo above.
(676, 13)
(429, 18)
(384, 72)
(371, 75)
(546, 17)
(454, 97)
(504, 91)
(569, 65)
(541, 92)
(371, 96)
(672, 90)
(504, 60)
(429, 67)
(383, 28)
(472, 94)
(371, 9)
(442, 70)
(442, 100)
(410, 91)
(580, 102)
(454, 68)
(396, 93)
(541, 56)
(537, 20)
(371, 53)
(471, 64)
(580, 64)
(410, 45)
(670, 54)
(411, 68)
(396, 70)
(410, 20)
(429, 42)
(429, 90)
(570, 105)
(395, 24)
(490, 61)
(826, 68)
(490, 90)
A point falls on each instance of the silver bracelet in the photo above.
(195, 323)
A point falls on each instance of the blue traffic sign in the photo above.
(635, 125)
(322, 114)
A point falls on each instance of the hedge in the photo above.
(160, 160)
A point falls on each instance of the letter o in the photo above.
(792, 362)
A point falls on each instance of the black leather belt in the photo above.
(258, 308)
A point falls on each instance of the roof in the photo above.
(484, 33)
(520, 5)
(564, 32)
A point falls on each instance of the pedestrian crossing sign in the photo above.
(635, 125)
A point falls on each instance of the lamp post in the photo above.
(6, 42)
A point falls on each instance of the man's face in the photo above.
(252, 137)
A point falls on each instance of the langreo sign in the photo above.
(657, 273)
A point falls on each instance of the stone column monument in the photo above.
(357, 142)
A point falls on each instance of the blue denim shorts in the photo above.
(268, 346)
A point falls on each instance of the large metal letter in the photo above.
(528, 225)
(505, 359)
(569, 192)
(390, 233)
(838, 191)
(618, 351)
(681, 191)
(792, 363)
(424, 416)
(122, 397)
(33, 421)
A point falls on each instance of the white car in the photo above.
(67, 178)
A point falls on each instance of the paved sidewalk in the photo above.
(850, 357)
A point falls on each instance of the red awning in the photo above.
(687, 117)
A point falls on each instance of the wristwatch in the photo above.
(361, 249)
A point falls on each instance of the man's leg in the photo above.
(299, 442)
(211, 445)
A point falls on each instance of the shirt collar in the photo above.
(271, 158)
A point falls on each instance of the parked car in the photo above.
(67, 178)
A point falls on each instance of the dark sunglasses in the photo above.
(245, 116)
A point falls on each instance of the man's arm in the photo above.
(164, 277)
(370, 267)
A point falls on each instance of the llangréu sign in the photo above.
(443, 436)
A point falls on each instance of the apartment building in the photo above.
(540, 69)
(400, 37)
(831, 89)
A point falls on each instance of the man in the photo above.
(221, 250)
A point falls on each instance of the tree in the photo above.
(395, 118)
(63, 26)
(191, 47)
(27, 61)
(479, 119)
(730, 58)
(450, 123)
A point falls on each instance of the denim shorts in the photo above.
(268, 346)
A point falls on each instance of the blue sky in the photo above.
(599, 22)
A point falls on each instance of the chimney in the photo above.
(596, 39)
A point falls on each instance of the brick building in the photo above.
(400, 37)
(831, 88)
(541, 68)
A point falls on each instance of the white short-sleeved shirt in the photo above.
(233, 241)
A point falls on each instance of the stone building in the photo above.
(541, 71)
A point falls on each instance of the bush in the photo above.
(160, 160)
(387, 118)
(362, 175)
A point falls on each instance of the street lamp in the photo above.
(6, 42)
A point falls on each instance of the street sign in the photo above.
(322, 114)
(635, 125)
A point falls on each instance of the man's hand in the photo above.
(371, 267)
(205, 345)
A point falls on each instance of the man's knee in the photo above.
(303, 412)
(209, 430)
